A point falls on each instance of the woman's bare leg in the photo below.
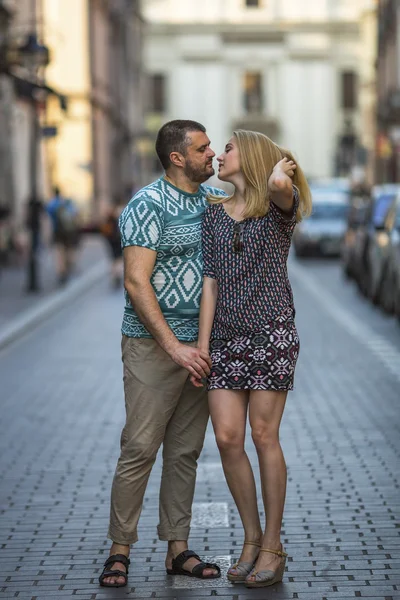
(228, 409)
(265, 414)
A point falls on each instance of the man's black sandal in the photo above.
(121, 558)
(197, 571)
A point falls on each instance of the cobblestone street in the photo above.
(62, 412)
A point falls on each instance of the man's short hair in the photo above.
(173, 137)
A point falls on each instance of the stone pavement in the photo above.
(62, 411)
(13, 298)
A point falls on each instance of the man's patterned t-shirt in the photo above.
(166, 219)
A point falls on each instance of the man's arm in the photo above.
(280, 184)
(138, 267)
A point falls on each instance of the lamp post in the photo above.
(33, 56)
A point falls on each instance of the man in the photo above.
(64, 219)
(161, 234)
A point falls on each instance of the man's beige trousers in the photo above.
(162, 407)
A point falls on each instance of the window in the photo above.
(157, 93)
(252, 3)
(349, 90)
(253, 100)
(381, 208)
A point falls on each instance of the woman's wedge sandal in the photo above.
(107, 572)
(197, 570)
(267, 577)
(242, 568)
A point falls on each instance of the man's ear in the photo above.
(177, 159)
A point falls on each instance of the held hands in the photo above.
(195, 360)
(195, 380)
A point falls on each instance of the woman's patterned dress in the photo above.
(254, 341)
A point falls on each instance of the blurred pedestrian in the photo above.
(161, 235)
(247, 312)
(65, 222)
(111, 233)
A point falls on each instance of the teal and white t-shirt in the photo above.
(166, 219)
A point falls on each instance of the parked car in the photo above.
(389, 293)
(377, 242)
(323, 231)
(357, 217)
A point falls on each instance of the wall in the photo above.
(66, 34)
(300, 48)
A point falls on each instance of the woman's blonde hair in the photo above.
(258, 156)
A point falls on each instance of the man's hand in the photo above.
(195, 360)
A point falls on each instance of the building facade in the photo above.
(283, 67)
(117, 97)
(97, 61)
(367, 90)
(6, 103)
(86, 104)
(388, 92)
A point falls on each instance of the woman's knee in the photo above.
(264, 436)
(229, 441)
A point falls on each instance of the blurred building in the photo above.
(365, 152)
(388, 89)
(6, 101)
(287, 68)
(23, 92)
(77, 121)
(96, 61)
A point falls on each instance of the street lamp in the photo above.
(33, 56)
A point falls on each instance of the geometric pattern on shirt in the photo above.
(167, 220)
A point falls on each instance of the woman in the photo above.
(248, 314)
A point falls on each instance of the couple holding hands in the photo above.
(188, 246)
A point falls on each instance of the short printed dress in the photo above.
(254, 342)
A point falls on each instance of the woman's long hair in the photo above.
(258, 156)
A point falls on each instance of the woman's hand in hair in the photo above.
(283, 170)
(280, 184)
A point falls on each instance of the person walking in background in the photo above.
(109, 228)
(161, 237)
(247, 312)
(65, 222)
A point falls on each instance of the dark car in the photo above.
(377, 248)
(322, 233)
(366, 238)
(357, 218)
(389, 294)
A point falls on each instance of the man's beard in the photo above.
(198, 174)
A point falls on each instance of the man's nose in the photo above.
(211, 153)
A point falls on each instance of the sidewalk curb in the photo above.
(30, 319)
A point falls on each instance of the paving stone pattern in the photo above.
(13, 279)
(62, 411)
